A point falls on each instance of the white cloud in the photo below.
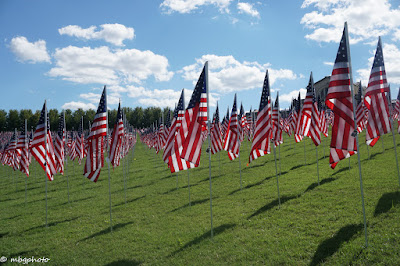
(288, 97)
(248, 9)
(226, 74)
(391, 55)
(76, 105)
(103, 66)
(26, 51)
(366, 19)
(187, 6)
(328, 63)
(396, 35)
(112, 33)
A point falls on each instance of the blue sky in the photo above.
(147, 51)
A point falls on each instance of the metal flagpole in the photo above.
(82, 148)
(367, 150)
(190, 203)
(394, 140)
(209, 147)
(304, 141)
(66, 157)
(45, 151)
(238, 141)
(109, 175)
(12, 167)
(349, 163)
(323, 143)
(122, 154)
(383, 147)
(276, 173)
(316, 150)
(355, 133)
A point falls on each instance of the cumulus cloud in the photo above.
(187, 6)
(26, 51)
(103, 66)
(76, 105)
(226, 74)
(328, 63)
(248, 9)
(111, 33)
(288, 97)
(366, 19)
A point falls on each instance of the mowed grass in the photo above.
(156, 226)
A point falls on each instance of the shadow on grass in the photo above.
(24, 253)
(129, 201)
(208, 178)
(128, 188)
(254, 166)
(345, 168)
(192, 204)
(72, 201)
(5, 200)
(51, 224)
(323, 181)
(373, 155)
(301, 165)
(12, 217)
(271, 205)
(218, 230)
(4, 234)
(386, 202)
(169, 191)
(106, 231)
(33, 201)
(124, 263)
(329, 246)
(257, 183)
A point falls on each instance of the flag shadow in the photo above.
(271, 205)
(192, 204)
(386, 202)
(217, 230)
(4, 234)
(65, 203)
(106, 231)
(12, 217)
(323, 181)
(257, 183)
(124, 263)
(129, 201)
(51, 224)
(345, 168)
(329, 246)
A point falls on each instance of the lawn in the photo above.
(154, 224)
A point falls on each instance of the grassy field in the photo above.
(156, 226)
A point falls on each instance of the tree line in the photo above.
(138, 117)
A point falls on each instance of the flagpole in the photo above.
(82, 147)
(109, 175)
(122, 153)
(209, 147)
(238, 141)
(45, 151)
(190, 204)
(276, 173)
(316, 151)
(13, 164)
(356, 133)
(394, 140)
(323, 143)
(26, 154)
(304, 141)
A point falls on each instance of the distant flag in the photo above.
(304, 120)
(276, 134)
(339, 100)
(376, 101)
(260, 145)
(396, 111)
(315, 126)
(322, 119)
(59, 144)
(169, 144)
(95, 156)
(225, 123)
(23, 150)
(79, 145)
(360, 111)
(116, 139)
(216, 137)
(196, 120)
(231, 143)
(42, 145)
(296, 119)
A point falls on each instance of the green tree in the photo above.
(13, 120)
(54, 119)
(3, 120)
(25, 114)
(68, 119)
(88, 117)
(33, 120)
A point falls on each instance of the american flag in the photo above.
(59, 144)
(95, 156)
(116, 139)
(11, 153)
(262, 134)
(276, 134)
(340, 101)
(175, 162)
(315, 126)
(169, 144)
(42, 145)
(216, 137)
(224, 125)
(244, 124)
(79, 145)
(231, 141)
(251, 124)
(360, 111)
(322, 119)
(304, 120)
(296, 119)
(71, 145)
(23, 150)
(376, 101)
(396, 111)
(196, 119)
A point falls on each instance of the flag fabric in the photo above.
(376, 101)
(304, 120)
(59, 145)
(296, 120)
(79, 142)
(244, 124)
(260, 145)
(322, 119)
(396, 111)
(276, 133)
(98, 130)
(360, 111)
(224, 125)
(116, 140)
(315, 126)
(11, 153)
(196, 119)
(169, 143)
(339, 100)
(71, 146)
(231, 141)
(42, 145)
(23, 150)
(216, 137)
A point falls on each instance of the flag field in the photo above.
(156, 225)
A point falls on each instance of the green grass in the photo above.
(157, 226)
